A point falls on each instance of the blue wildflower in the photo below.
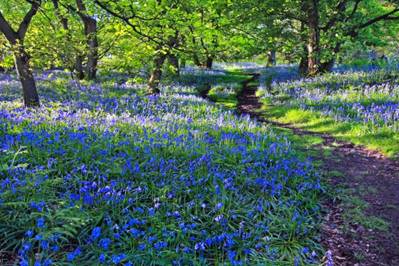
(40, 222)
(118, 258)
(95, 233)
(105, 243)
(101, 258)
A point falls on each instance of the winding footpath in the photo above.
(365, 174)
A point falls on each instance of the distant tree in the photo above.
(329, 24)
(156, 22)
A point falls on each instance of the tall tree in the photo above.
(16, 40)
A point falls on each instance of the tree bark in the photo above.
(31, 97)
(92, 42)
(209, 62)
(63, 20)
(90, 29)
(313, 44)
(79, 67)
(156, 75)
(303, 64)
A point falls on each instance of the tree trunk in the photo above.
(156, 75)
(92, 42)
(31, 97)
(174, 61)
(313, 41)
(209, 62)
(271, 58)
(90, 28)
(21, 57)
(79, 67)
(303, 65)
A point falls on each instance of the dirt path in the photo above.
(367, 175)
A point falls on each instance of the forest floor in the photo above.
(361, 210)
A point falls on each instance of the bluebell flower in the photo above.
(187, 250)
(96, 233)
(40, 222)
(24, 262)
(105, 243)
(160, 245)
(200, 246)
(44, 244)
(47, 262)
(118, 258)
(219, 205)
(72, 255)
(29, 233)
(101, 258)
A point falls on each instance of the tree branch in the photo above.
(127, 21)
(355, 7)
(6, 29)
(23, 27)
(379, 18)
(335, 18)
(387, 16)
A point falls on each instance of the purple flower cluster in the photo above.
(94, 178)
(370, 98)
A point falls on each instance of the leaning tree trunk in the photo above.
(156, 75)
(31, 97)
(21, 57)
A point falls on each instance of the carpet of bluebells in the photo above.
(366, 96)
(100, 175)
